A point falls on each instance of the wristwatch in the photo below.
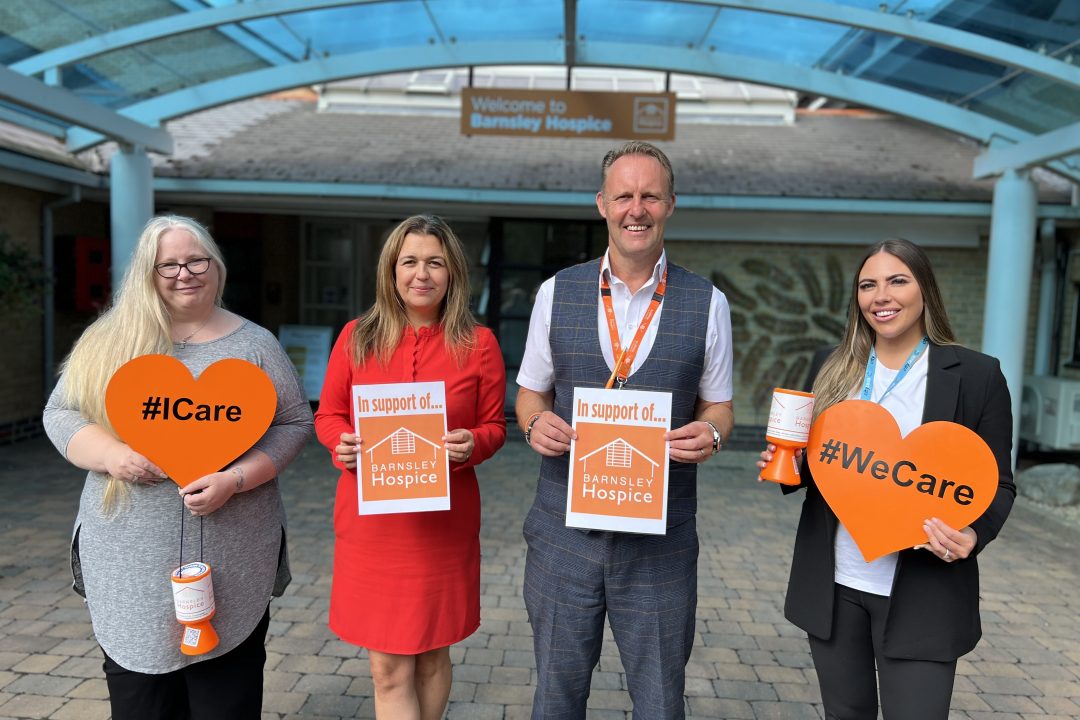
(716, 444)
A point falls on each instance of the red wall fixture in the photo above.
(91, 273)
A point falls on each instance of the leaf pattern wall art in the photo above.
(780, 315)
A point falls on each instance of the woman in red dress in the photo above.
(407, 586)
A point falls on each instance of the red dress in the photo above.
(410, 582)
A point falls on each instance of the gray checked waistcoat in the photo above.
(675, 364)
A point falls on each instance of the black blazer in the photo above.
(934, 606)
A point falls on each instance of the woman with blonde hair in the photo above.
(909, 614)
(130, 524)
(407, 585)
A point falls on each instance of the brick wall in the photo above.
(21, 386)
(90, 219)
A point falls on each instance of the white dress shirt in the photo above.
(537, 371)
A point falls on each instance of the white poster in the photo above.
(619, 462)
(308, 346)
(402, 465)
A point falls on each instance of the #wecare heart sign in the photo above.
(883, 486)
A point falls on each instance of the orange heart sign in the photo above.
(187, 427)
(883, 486)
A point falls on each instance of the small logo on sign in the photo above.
(651, 115)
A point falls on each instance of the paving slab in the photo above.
(748, 662)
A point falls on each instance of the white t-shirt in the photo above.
(905, 404)
(537, 371)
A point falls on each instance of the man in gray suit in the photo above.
(676, 329)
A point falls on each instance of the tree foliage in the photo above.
(23, 279)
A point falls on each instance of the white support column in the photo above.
(1008, 280)
(131, 204)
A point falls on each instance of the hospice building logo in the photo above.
(543, 113)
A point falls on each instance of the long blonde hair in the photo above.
(135, 323)
(378, 331)
(846, 365)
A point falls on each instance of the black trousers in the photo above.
(910, 689)
(228, 687)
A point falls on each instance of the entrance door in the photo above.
(524, 253)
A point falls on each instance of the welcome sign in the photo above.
(554, 113)
(402, 465)
(618, 463)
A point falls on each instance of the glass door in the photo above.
(524, 253)
(327, 276)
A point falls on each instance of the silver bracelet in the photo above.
(240, 479)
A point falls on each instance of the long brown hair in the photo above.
(378, 331)
(845, 367)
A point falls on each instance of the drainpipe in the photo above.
(48, 323)
(1047, 296)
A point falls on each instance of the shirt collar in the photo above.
(657, 273)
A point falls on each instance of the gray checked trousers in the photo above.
(647, 587)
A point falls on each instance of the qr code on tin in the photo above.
(191, 637)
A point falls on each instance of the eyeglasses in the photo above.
(170, 270)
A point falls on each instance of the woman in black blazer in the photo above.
(912, 613)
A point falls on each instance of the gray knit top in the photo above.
(121, 561)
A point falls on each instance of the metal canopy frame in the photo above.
(1036, 151)
(34, 95)
(440, 51)
(902, 27)
(173, 25)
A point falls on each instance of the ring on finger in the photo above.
(945, 557)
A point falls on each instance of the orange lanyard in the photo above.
(625, 358)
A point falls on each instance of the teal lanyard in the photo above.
(871, 367)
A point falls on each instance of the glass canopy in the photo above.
(1013, 62)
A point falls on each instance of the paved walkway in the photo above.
(748, 661)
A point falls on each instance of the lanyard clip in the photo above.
(619, 382)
